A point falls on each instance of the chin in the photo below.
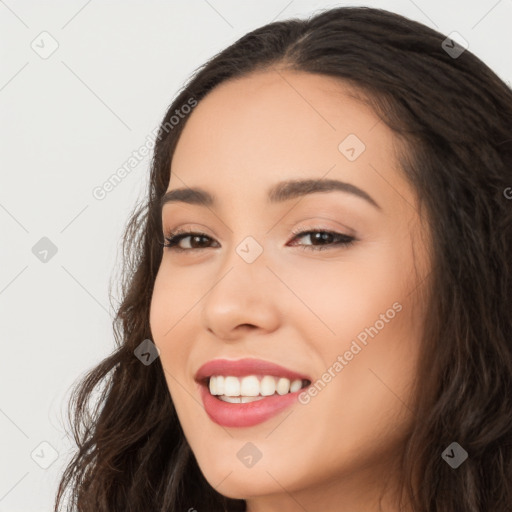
(242, 487)
(233, 480)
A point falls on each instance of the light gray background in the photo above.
(68, 122)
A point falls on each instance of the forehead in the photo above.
(274, 125)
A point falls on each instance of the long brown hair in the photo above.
(453, 117)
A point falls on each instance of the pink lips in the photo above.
(249, 414)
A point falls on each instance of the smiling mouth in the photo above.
(251, 388)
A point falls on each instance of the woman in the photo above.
(316, 310)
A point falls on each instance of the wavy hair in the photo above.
(453, 118)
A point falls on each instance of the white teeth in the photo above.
(283, 386)
(219, 385)
(231, 386)
(213, 386)
(240, 399)
(251, 388)
(295, 385)
(267, 385)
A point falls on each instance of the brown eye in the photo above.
(322, 239)
(196, 241)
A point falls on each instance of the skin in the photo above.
(294, 306)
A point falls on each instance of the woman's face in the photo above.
(348, 317)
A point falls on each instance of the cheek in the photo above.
(172, 300)
(364, 312)
(168, 319)
(170, 304)
(362, 408)
(336, 299)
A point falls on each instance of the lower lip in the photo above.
(227, 414)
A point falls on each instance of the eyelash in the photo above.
(173, 238)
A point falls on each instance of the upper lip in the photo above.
(243, 367)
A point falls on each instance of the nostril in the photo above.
(247, 327)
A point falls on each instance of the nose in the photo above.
(245, 296)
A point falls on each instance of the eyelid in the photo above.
(313, 223)
(192, 228)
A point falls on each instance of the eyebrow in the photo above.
(282, 191)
